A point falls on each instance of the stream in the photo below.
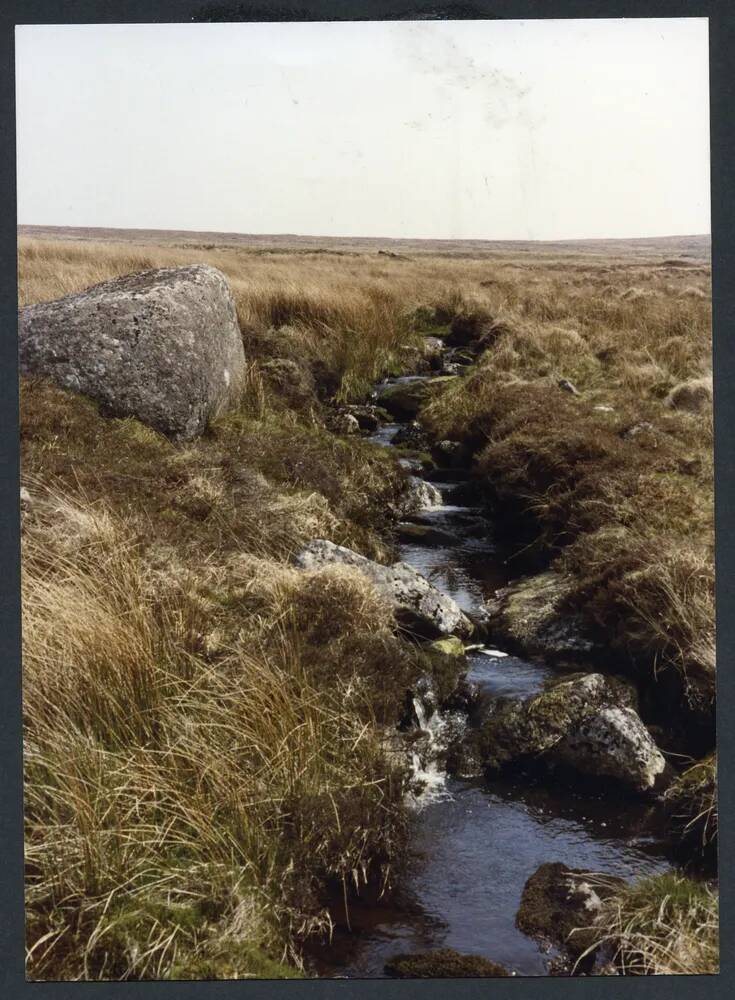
(476, 842)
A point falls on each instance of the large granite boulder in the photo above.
(587, 722)
(163, 346)
(417, 604)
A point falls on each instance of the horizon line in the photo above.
(407, 239)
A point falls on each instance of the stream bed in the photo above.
(475, 843)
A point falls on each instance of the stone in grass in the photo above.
(162, 345)
(694, 396)
(417, 604)
(445, 963)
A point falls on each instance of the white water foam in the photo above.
(426, 774)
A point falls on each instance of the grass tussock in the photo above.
(662, 925)
(691, 803)
(188, 797)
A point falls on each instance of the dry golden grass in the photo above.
(665, 925)
(692, 805)
(190, 782)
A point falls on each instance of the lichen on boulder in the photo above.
(530, 614)
(162, 345)
(587, 722)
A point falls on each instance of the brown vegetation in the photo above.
(204, 751)
(665, 925)
(616, 480)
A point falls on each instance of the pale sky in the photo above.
(450, 129)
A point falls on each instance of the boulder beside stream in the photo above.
(587, 722)
(403, 400)
(417, 604)
(559, 906)
(163, 346)
(529, 615)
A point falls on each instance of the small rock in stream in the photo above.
(425, 534)
(559, 906)
(445, 963)
(411, 435)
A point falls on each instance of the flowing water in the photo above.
(476, 842)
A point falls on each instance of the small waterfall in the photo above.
(428, 777)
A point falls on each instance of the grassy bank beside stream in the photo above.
(204, 726)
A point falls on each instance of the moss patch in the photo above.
(443, 964)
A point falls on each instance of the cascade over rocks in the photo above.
(588, 722)
(162, 345)
(417, 604)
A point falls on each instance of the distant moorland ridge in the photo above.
(696, 246)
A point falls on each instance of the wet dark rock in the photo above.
(425, 534)
(163, 346)
(418, 605)
(445, 963)
(530, 614)
(451, 454)
(411, 435)
(585, 722)
(367, 417)
(462, 357)
(403, 400)
(559, 907)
